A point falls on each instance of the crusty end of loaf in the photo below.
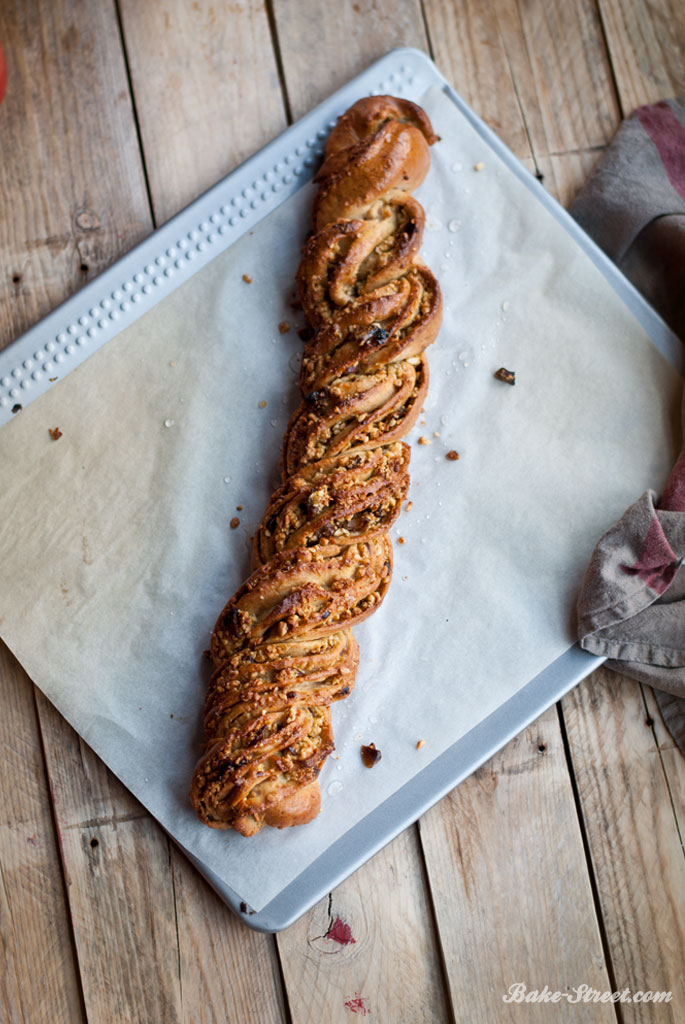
(298, 808)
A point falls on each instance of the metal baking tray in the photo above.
(180, 249)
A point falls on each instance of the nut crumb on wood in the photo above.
(55, 433)
(506, 376)
(421, 743)
(371, 755)
(284, 327)
(235, 523)
(247, 279)
(452, 455)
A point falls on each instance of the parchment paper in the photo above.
(116, 550)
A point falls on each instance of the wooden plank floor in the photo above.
(558, 863)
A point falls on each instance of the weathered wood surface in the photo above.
(206, 90)
(369, 947)
(72, 189)
(118, 115)
(628, 809)
(324, 45)
(537, 72)
(647, 49)
(510, 884)
(34, 915)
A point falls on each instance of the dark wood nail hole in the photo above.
(16, 278)
(84, 268)
(649, 722)
(542, 747)
(94, 842)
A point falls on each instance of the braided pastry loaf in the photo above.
(282, 648)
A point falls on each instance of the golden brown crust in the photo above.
(371, 333)
(305, 593)
(339, 499)
(356, 411)
(282, 648)
(380, 144)
(350, 258)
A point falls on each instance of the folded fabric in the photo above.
(633, 205)
(631, 607)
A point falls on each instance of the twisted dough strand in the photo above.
(282, 648)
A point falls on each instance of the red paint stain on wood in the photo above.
(33, 840)
(340, 932)
(357, 1004)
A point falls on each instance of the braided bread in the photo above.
(282, 648)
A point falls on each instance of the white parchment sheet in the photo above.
(117, 555)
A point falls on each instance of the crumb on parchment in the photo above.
(452, 455)
(506, 376)
(55, 433)
(371, 755)
(284, 327)
(247, 279)
(235, 523)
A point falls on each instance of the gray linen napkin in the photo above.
(631, 608)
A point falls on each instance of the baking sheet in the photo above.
(116, 549)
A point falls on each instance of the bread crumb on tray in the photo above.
(506, 376)
(371, 755)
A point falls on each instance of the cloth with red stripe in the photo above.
(631, 607)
